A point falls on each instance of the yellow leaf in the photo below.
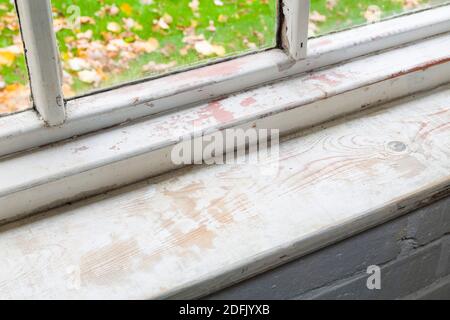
(222, 18)
(12, 87)
(126, 8)
(81, 53)
(65, 56)
(167, 18)
(7, 58)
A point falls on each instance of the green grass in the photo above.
(348, 13)
(17, 72)
(253, 20)
(245, 20)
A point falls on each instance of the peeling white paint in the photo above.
(25, 130)
(196, 230)
(295, 27)
(42, 59)
(88, 165)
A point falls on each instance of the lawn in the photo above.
(139, 38)
(334, 15)
(109, 42)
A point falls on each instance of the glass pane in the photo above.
(334, 15)
(107, 43)
(14, 88)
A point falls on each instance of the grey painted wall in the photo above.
(413, 253)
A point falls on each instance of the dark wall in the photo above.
(413, 253)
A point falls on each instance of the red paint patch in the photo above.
(248, 102)
(325, 79)
(321, 43)
(215, 110)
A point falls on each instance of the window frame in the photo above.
(42, 58)
(94, 112)
(45, 70)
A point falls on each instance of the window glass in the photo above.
(334, 15)
(14, 88)
(107, 43)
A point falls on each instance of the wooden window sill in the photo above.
(196, 230)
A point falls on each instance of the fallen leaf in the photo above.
(331, 4)
(89, 76)
(152, 66)
(373, 14)
(7, 58)
(126, 8)
(114, 27)
(317, 17)
(222, 18)
(78, 64)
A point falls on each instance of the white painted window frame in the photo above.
(82, 115)
(42, 58)
(294, 29)
(44, 67)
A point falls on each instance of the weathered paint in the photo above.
(295, 29)
(103, 110)
(42, 59)
(247, 102)
(422, 67)
(215, 110)
(198, 229)
(129, 153)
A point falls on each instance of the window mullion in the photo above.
(295, 27)
(42, 59)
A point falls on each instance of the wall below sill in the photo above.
(413, 253)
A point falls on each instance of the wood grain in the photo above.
(198, 229)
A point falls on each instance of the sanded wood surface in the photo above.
(201, 228)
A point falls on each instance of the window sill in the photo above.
(25, 130)
(200, 229)
(57, 174)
